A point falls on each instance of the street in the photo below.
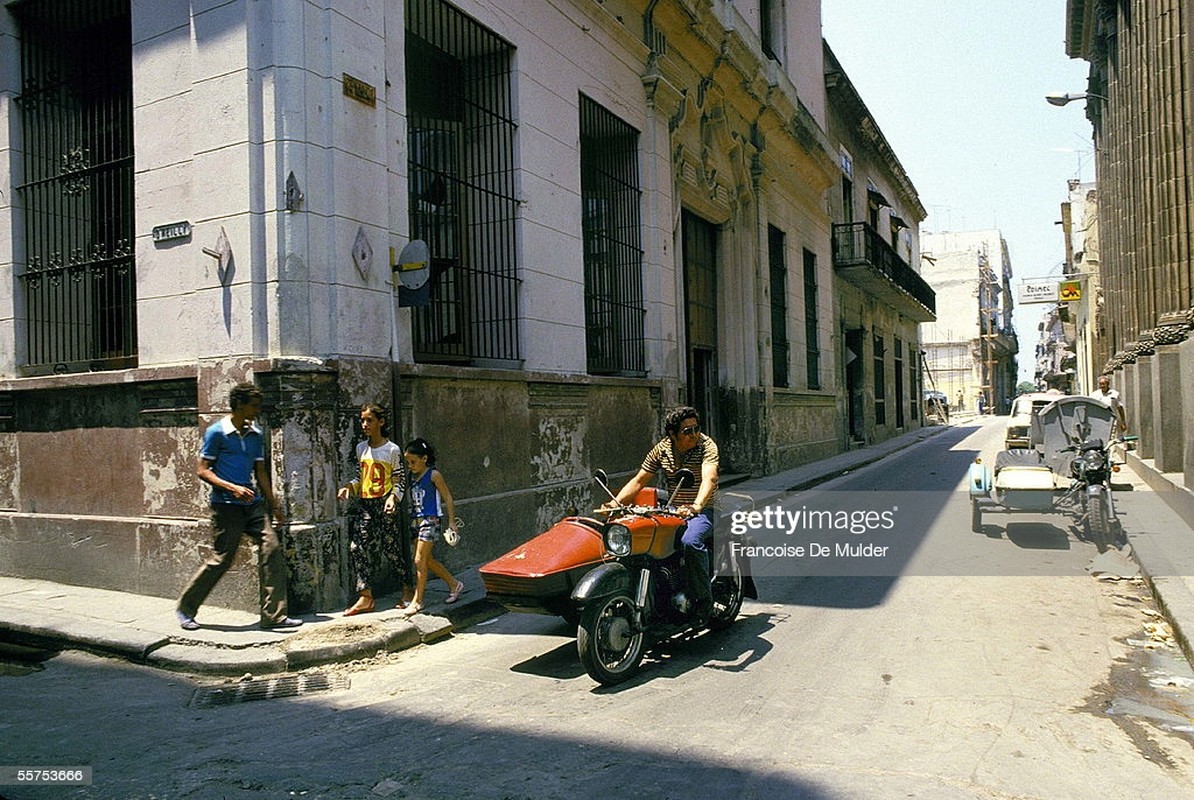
(942, 682)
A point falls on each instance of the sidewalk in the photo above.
(144, 629)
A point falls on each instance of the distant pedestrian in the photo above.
(371, 528)
(430, 504)
(982, 404)
(1110, 398)
(233, 455)
(960, 404)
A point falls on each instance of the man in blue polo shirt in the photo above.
(233, 455)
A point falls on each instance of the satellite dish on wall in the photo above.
(413, 265)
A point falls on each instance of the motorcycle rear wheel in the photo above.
(610, 648)
(727, 600)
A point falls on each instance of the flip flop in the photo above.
(359, 609)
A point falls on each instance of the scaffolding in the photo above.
(951, 365)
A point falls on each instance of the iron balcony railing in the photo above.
(858, 245)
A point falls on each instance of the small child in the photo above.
(430, 503)
(379, 487)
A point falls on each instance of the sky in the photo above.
(958, 88)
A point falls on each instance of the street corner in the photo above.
(348, 641)
(207, 659)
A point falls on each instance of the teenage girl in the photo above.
(430, 504)
(371, 528)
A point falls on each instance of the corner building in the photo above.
(624, 206)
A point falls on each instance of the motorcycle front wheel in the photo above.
(1099, 520)
(610, 647)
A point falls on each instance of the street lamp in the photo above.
(1062, 98)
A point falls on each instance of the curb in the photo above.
(1172, 594)
(289, 654)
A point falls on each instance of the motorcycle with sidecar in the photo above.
(1066, 468)
(620, 580)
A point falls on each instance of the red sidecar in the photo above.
(538, 576)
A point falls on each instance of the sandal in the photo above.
(363, 605)
(454, 595)
(412, 608)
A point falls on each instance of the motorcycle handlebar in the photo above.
(641, 511)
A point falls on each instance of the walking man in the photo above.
(1110, 398)
(233, 455)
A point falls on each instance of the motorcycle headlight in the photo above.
(617, 539)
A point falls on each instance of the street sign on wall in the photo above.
(1038, 290)
(1068, 291)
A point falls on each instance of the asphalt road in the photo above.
(948, 680)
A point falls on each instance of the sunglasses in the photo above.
(690, 430)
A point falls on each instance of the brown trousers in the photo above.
(229, 523)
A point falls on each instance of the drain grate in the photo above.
(267, 689)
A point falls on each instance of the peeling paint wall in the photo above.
(519, 453)
(10, 454)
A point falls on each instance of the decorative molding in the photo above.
(362, 253)
(1171, 328)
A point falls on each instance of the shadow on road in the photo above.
(347, 744)
(731, 650)
(1037, 536)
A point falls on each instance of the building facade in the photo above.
(881, 299)
(1139, 97)
(971, 348)
(623, 206)
(1070, 339)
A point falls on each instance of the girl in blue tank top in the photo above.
(431, 503)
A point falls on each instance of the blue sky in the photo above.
(958, 90)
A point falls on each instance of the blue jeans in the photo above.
(695, 541)
(699, 532)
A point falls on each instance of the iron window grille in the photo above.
(76, 264)
(812, 337)
(779, 307)
(612, 231)
(880, 381)
(699, 245)
(462, 186)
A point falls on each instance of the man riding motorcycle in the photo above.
(685, 447)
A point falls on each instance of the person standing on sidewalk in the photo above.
(371, 528)
(233, 455)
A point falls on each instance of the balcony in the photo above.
(864, 259)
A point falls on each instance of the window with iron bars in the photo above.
(462, 186)
(613, 252)
(75, 264)
(880, 376)
(812, 329)
(779, 307)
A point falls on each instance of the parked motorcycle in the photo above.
(1090, 488)
(640, 594)
(1067, 469)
